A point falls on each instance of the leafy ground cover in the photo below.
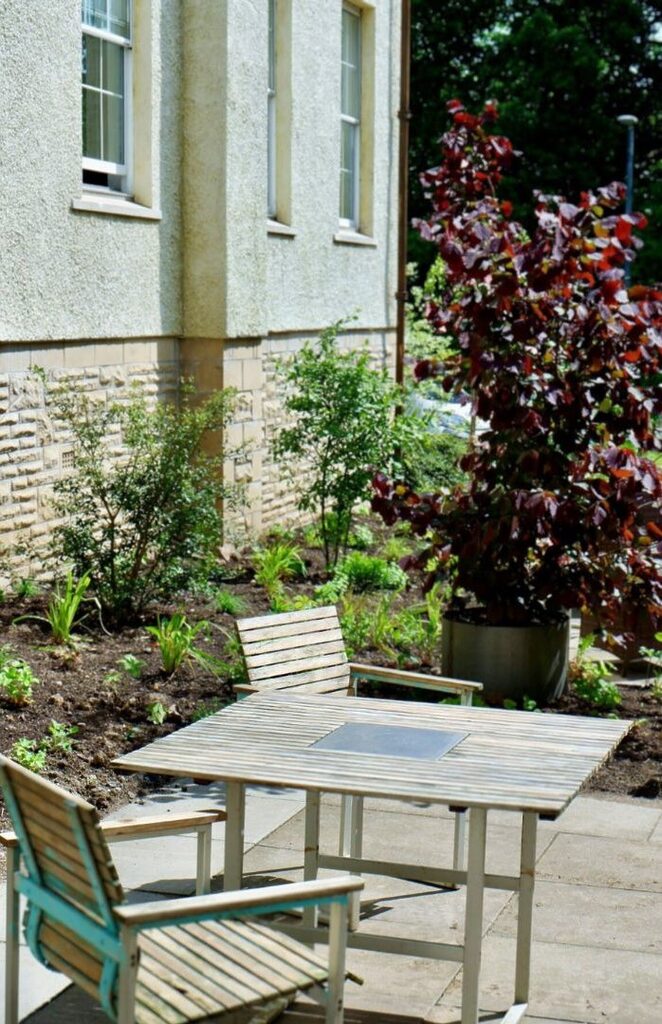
(109, 692)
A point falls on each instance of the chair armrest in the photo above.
(264, 900)
(8, 839)
(160, 823)
(244, 688)
(417, 679)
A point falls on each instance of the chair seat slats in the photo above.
(187, 973)
(65, 944)
(191, 950)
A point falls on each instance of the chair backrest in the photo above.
(297, 650)
(69, 881)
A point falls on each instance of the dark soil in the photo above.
(85, 687)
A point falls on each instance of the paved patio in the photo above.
(597, 951)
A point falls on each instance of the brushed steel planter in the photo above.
(510, 661)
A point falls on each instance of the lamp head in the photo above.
(628, 120)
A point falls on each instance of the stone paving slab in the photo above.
(389, 835)
(582, 915)
(578, 983)
(591, 860)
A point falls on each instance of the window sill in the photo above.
(275, 227)
(115, 207)
(348, 237)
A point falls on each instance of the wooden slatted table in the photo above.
(510, 760)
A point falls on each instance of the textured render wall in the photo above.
(313, 280)
(34, 451)
(66, 274)
(280, 290)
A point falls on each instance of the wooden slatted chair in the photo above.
(305, 651)
(170, 962)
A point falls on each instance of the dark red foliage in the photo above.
(562, 362)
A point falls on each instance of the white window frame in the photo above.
(352, 223)
(272, 112)
(122, 170)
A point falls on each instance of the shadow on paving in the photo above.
(74, 1007)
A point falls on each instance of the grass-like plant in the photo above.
(229, 603)
(177, 639)
(63, 607)
(277, 563)
(25, 588)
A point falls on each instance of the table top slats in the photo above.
(509, 759)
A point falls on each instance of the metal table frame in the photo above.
(476, 880)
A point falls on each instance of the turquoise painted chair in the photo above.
(169, 962)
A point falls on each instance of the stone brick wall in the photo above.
(35, 450)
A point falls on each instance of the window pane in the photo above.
(91, 60)
(109, 15)
(348, 161)
(118, 21)
(113, 129)
(113, 68)
(92, 124)
(351, 64)
(95, 13)
(272, 44)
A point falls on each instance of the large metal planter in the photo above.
(510, 661)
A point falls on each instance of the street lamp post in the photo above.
(629, 121)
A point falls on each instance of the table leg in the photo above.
(527, 875)
(234, 835)
(355, 850)
(473, 925)
(311, 851)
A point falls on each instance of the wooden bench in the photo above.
(304, 652)
(170, 962)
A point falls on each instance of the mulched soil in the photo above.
(111, 715)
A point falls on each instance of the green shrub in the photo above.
(60, 737)
(433, 462)
(16, 681)
(145, 523)
(369, 572)
(29, 755)
(591, 679)
(395, 548)
(344, 429)
(156, 712)
(355, 623)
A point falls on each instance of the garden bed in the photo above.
(89, 689)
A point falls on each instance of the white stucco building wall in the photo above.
(186, 274)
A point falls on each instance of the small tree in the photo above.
(563, 365)
(141, 507)
(344, 429)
